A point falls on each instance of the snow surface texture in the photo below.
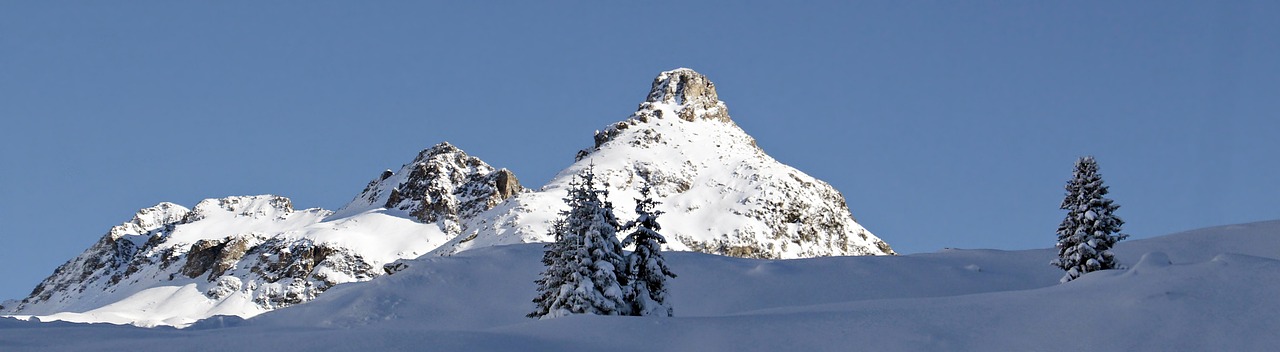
(1210, 289)
(244, 256)
(720, 193)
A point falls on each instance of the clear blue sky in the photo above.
(945, 124)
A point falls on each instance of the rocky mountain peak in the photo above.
(441, 185)
(439, 151)
(720, 192)
(681, 95)
(692, 93)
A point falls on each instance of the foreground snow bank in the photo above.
(1209, 289)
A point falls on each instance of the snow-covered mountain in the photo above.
(234, 256)
(243, 256)
(720, 192)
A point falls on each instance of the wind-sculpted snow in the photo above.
(1210, 289)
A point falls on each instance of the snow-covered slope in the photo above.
(491, 287)
(1210, 289)
(720, 192)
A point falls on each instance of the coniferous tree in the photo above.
(646, 269)
(585, 264)
(1091, 228)
(555, 274)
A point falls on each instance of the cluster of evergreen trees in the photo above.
(587, 271)
(1091, 228)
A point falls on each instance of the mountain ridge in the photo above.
(245, 255)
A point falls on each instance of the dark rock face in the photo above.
(507, 184)
(217, 256)
(303, 270)
(201, 257)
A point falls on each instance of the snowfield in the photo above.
(1209, 289)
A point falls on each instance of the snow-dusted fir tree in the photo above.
(585, 264)
(646, 269)
(555, 275)
(1091, 228)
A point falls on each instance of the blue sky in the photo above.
(945, 124)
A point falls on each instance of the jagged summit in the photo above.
(691, 93)
(681, 94)
(438, 149)
(442, 184)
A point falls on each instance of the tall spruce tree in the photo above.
(585, 264)
(646, 269)
(1091, 228)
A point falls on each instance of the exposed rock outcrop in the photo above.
(691, 91)
(154, 248)
(681, 93)
(442, 185)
